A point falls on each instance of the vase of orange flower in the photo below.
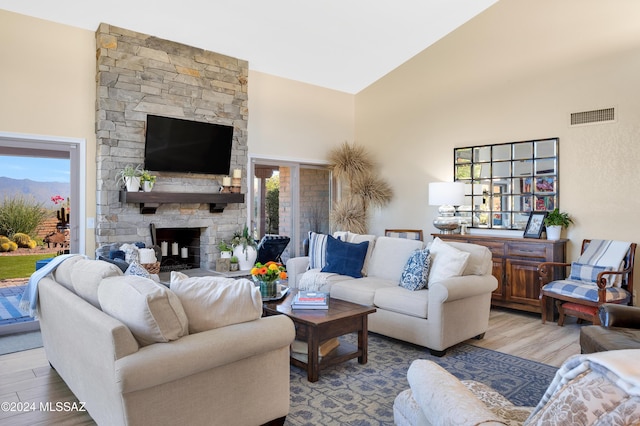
(268, 276)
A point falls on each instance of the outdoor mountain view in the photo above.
(34, 217)
(41, 192)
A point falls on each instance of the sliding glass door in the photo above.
(290, 199)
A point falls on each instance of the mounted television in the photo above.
(175, 145)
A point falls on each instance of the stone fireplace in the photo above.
(180, 248)
(138, 74)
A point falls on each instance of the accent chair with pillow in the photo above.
(139, 353)
(435, 296)
(602, 274)
(411, 234)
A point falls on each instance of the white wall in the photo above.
(297, 121)
(515, 73)
(48, 88)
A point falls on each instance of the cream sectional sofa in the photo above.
(451, 310)
(235, 374)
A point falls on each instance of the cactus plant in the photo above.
(7, 245)
(21, 239)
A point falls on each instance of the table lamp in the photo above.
(446, 195)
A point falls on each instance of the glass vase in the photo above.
(269, 288)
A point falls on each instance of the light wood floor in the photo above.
(27, 377)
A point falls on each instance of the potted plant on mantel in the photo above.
(244, 248)
(147, 180)
(554, 222)
(130, 177)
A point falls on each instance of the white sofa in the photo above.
(236, 374)
(450, 311)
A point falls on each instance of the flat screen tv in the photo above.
(175, 145)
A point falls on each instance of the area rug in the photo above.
(20, 342)
(10, 313)
(362, 395)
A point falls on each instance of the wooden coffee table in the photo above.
(315, 326)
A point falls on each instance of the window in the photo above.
(506, 182)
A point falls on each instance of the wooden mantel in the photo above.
(150, 201)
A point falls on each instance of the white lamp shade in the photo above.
(451, 193)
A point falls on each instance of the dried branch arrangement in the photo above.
(362, 189)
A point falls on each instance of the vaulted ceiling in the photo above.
(339, 44)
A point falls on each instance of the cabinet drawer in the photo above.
(530, 251)
(497, 248)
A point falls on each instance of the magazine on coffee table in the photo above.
(310, 300)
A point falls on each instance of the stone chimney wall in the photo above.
(138, 74)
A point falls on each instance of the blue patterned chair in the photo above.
(411, 234)
(602, 274)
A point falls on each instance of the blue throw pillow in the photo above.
(345, 258)
(416, 271)
(120, 263)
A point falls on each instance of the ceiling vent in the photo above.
(607, 115)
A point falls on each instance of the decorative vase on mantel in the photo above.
(246, 256)
(132, 183)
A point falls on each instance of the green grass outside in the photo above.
(20, 266)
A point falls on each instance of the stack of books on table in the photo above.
(310, 300)
(299, 347)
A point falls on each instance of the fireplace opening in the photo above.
(180, 248)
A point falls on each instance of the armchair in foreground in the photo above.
(593, 389)
(619, 329)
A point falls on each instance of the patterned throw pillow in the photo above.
(137, 269)
(317, 250)
(589, 273)
(416, 271)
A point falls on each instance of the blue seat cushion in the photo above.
(584, 290)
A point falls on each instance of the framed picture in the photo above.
(535, 224)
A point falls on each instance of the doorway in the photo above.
(290, 199)
(40, 148)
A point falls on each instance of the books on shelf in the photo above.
(300, 347)
(310, 300)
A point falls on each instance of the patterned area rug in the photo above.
(9, 301)
(354, 394)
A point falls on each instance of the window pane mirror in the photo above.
(507, 181)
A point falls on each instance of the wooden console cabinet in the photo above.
(515, 265)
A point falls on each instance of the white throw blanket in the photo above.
(314, 280)
(29, 299)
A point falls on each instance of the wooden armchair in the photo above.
(591, 282)
(412, 234)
